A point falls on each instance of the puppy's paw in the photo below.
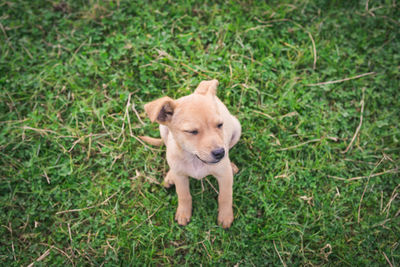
(235, 169)
(225, 219)
(168, 182)
(183, 215)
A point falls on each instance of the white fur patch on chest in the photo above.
(193, 167)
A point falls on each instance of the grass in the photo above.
(78, 189)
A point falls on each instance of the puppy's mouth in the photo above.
(208, 162)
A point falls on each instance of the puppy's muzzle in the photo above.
(218, 153)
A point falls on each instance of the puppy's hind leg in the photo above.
(235, 169)
(168, 180)
(237, 132)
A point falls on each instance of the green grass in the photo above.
(67, 70)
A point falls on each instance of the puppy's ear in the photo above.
(160, 110)
(207, 87)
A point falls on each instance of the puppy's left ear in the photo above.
(207, 87)
(160, 110)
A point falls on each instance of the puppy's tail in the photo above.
(152, 141)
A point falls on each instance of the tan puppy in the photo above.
(198, 131)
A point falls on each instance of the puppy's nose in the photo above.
(218, 153)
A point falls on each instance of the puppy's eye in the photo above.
(194, 132)
(220, 125)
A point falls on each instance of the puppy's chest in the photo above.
(194, 168)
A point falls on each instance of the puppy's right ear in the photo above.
(160, 110)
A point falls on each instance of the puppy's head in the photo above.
(194, 121)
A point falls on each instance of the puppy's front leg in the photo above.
(184, 211)
(225, 211)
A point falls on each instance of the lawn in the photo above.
(315, 85)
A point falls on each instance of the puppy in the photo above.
(198, 131)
